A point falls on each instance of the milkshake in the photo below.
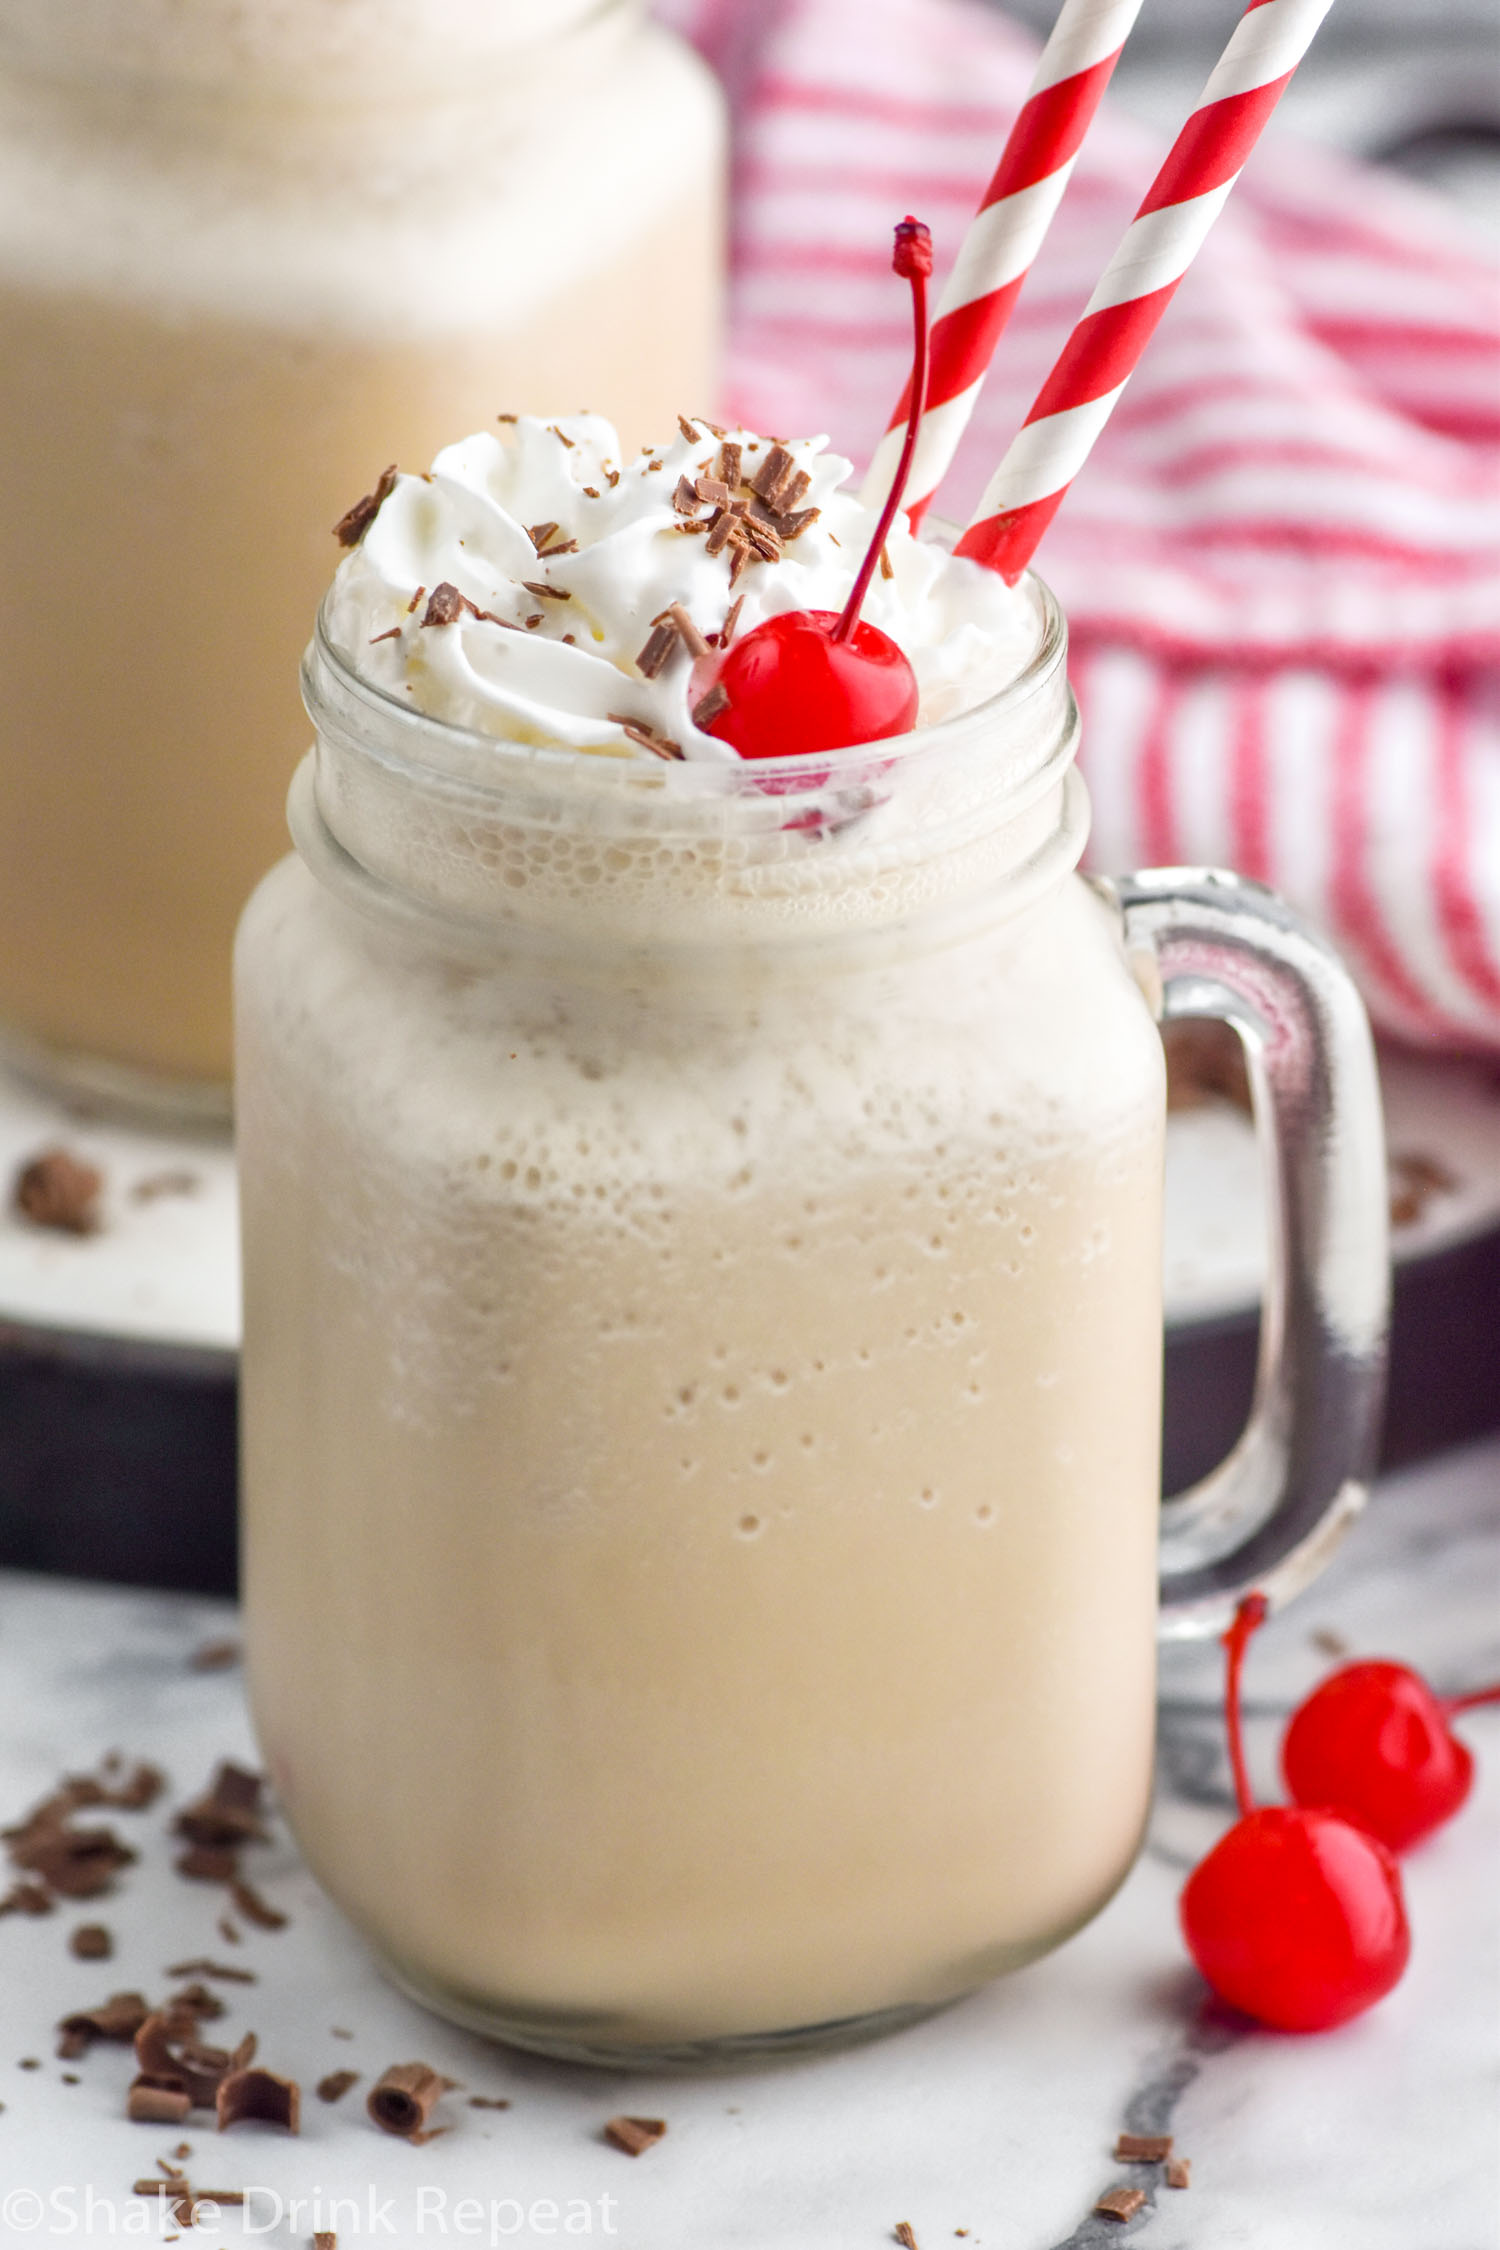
(702, 1227)
(244, 256)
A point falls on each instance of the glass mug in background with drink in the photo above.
(703, 1272)
(243, 252)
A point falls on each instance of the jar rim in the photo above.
(441, 752)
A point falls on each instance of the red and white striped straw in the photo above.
(1008, 230)
(1120, 318)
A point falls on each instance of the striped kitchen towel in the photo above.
(1280, 564)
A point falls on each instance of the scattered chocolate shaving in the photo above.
(70, 2078)
(254, 1908)
(392, 633)
(561, 436)
(886, 568)
(731, 622)
(57, 1189)
(901, 2232)
(1143, 2148)
(415, 600)
(692, 639)
(445, 605)
(214, 1969)
(158, 1184)
(634, 2135)
(697, 523)
(684, 498)
(789, 493)
(591, 491)
(1205, 1063)
(228, 1812)
(29, 2062)
(507, 417)
(713, 491)
(229, 1932)
(540, 533)
(693, 436)
(713, 426)
(403, 2098)
(215, 1656)
(140, 1789)
(729, 464)
(169, 2050)
(1120, 2203)
(739, 562)
(642, 732)
(194, 2004)
(533, 622)
(777, 469)
(708, 707)
(1415, 1180)
(27, 1898)
(338, 2032)
(250, 2093)
(762, 538)
(325, 2239)
(569, 641)
(544, 592)
(352, 526)
(157, 2101)
(489, 2101)
(652, 464)
(120, 2017)
(91, 1941)
(791, 527)
(208, 1863)
(657, 653)
(1179, 2172)
(75, 1862)
(336, 2085)
(611, 478)
(720, 527)
(1330, 1644)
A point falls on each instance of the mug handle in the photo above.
(1216, 944)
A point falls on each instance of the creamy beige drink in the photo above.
(702, 1266)
(247, 256)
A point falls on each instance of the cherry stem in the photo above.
(1471, 1701)
(912, 259)
(1250, 1614)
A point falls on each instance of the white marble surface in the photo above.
(998, 2116)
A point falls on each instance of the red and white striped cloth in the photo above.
(1280, 562)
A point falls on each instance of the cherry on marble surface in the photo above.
(1373, 1743)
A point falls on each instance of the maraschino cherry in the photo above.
(1373, 1744)
(1296, 1916)
(819, 679)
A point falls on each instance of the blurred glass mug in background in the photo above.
(702, 1366)
(247, 256)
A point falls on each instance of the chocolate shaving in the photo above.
(91, 1941)
(1179, 2172)
(634, 2135)
(777, 469)
(254, 1908)
(1415, 1181)
(655, 656)
(762, 538)
(215, 1656)
(228, 1812)
(540, 533)
(507, 417)
(259, 2095)
(788, 494)
(120, 2017)
(157, 2101)
(352, 526)
(708, 707)
(445, 605)
(901, 2232)
(684, 498)
(693, 640)
(731, 622)
(325, 2239)
(611, 478)
(168, 2050)
(693, 436)
(75, 1862)
(213, 1969)
(393, 633)
(489, 2101)
(27, 1898)
(561, 436)
(640, 731)
(740, 562)
(591, 491)
(1120, 2203)
(208, 1863)
(533, 622)
(141, 1787)
(194, 2004)
(58, 1190)
(697, 523)
(713, 491)
(403, 2098)
(544, 592)
(729, 464)
(336, 2085)
(229, 1931)
(886, 568)
(1143, 2148)
(721, 525)
(792, 526)
(415, 600)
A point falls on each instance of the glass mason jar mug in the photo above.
(702, 1357)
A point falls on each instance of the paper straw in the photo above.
(1120, 318)
(997, 252)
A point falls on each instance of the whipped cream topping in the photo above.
(567, 556)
